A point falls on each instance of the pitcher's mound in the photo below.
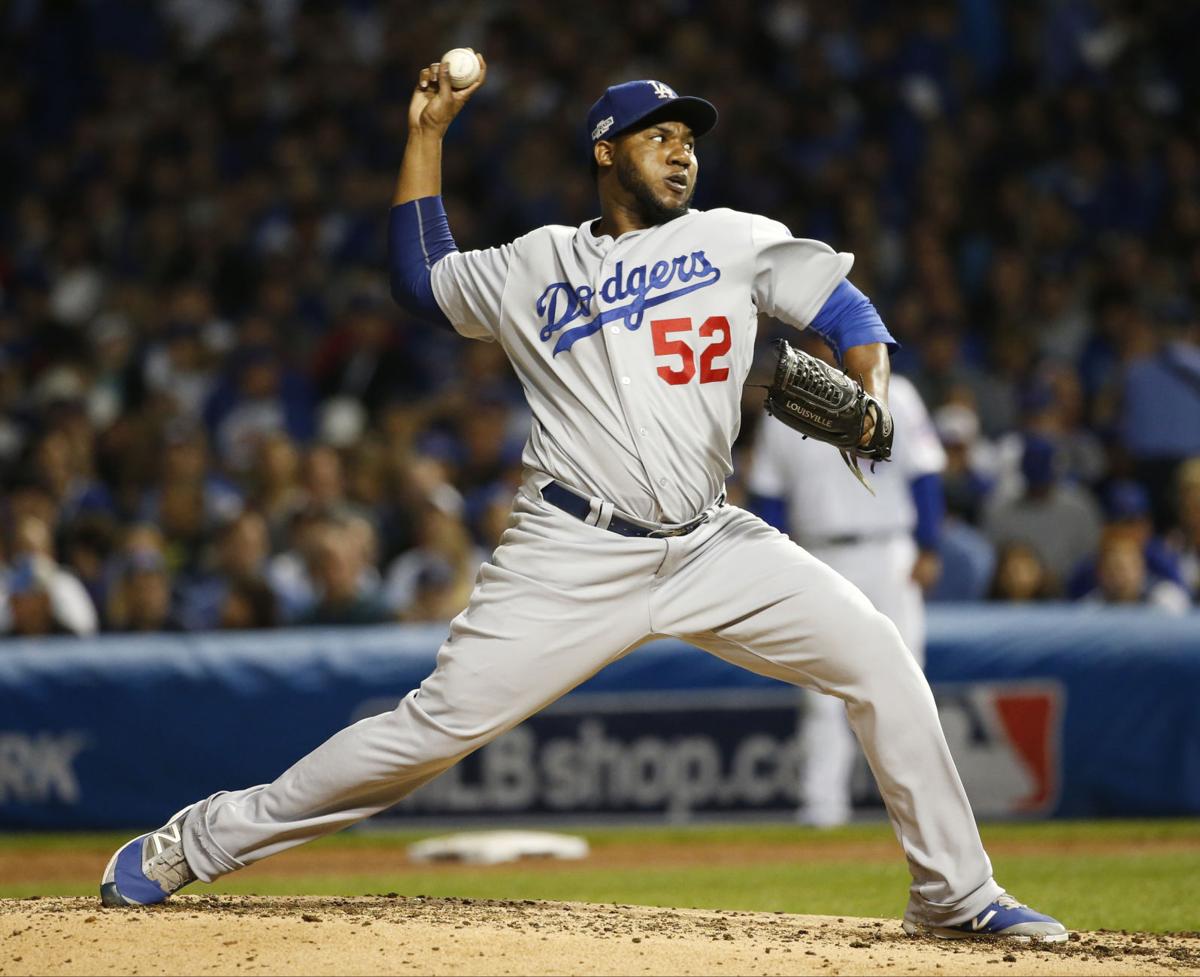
(390, 934)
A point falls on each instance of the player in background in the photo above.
(886, 544)
(632, 336)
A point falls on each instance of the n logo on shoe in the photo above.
(170, 833)
(979, 922)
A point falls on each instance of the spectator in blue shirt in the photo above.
(1160, 401)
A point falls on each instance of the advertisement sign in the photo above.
(1051, 713)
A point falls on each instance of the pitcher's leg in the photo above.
(793, 618)
(521, 644)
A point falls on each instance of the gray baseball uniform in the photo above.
(633, 353)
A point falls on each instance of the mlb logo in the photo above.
(1006, 740)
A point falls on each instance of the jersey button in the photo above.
(625, 380)
(662, 482)
(643, 432)
(615, 330)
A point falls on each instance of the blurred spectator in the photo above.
(276, 491)
(239, 564)
(1020, 575)
(363, 358)
(336, 563)
(323, 480)
(185, 525)
(290, 573)
(487, 451)
(433, 580)
(141, 597)
(179, 370)
(113, 346)
(68, 477)
(1159, 390)
(437, 594)
(190, 499)
(30, 611)
(257, 396)
(1060, 522)
(88, 544)
(71, 607)
(288, 569)
(1127, 514)
(1185, 538)
(965, 480)
(968, 563)
(1052, 405)
(492, 515)
(1122, 578)
(248, 605)
(13, 434)
(193, 304)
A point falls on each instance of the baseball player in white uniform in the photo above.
(632, 335)
(883, 543)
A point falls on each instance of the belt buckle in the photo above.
(691, 527)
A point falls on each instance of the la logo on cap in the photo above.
(662, 91)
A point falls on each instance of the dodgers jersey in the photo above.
(633, 351)
(824, 499)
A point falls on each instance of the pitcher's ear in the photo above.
(602, 154)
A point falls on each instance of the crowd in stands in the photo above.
(213, 416)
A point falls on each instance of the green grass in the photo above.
(1044, 832)
(1139, 888)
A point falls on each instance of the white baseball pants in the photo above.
(882, 570)
(561, 600)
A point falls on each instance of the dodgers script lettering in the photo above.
(626, 294)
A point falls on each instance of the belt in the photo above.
(583, 509)
(853, 539)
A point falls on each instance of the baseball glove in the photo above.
(822, 402)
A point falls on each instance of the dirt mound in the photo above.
(391, 934)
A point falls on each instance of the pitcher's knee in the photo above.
(442, 738)
(875, 631)
(884, 664)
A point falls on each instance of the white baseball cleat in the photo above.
(1004, 917)
(149, 868)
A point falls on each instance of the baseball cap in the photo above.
(956, 424)
(1039, 461)
(1126, 499)
(623, 106)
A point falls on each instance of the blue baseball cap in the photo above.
(623, 106)
(1126, 499)
(1039, 461)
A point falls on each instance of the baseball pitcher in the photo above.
(632, 335)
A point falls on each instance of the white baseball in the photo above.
(464, 66)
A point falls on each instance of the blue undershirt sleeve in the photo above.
(930, 504)
(418, 238)
(849, 319)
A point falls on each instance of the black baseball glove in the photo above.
(822, 402)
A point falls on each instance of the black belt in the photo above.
(853, 539)
(581, 508)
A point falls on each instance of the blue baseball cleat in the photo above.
(1005, 917)
(149, 868)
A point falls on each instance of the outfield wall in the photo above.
(1051, 711)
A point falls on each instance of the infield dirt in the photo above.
(396, 935)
